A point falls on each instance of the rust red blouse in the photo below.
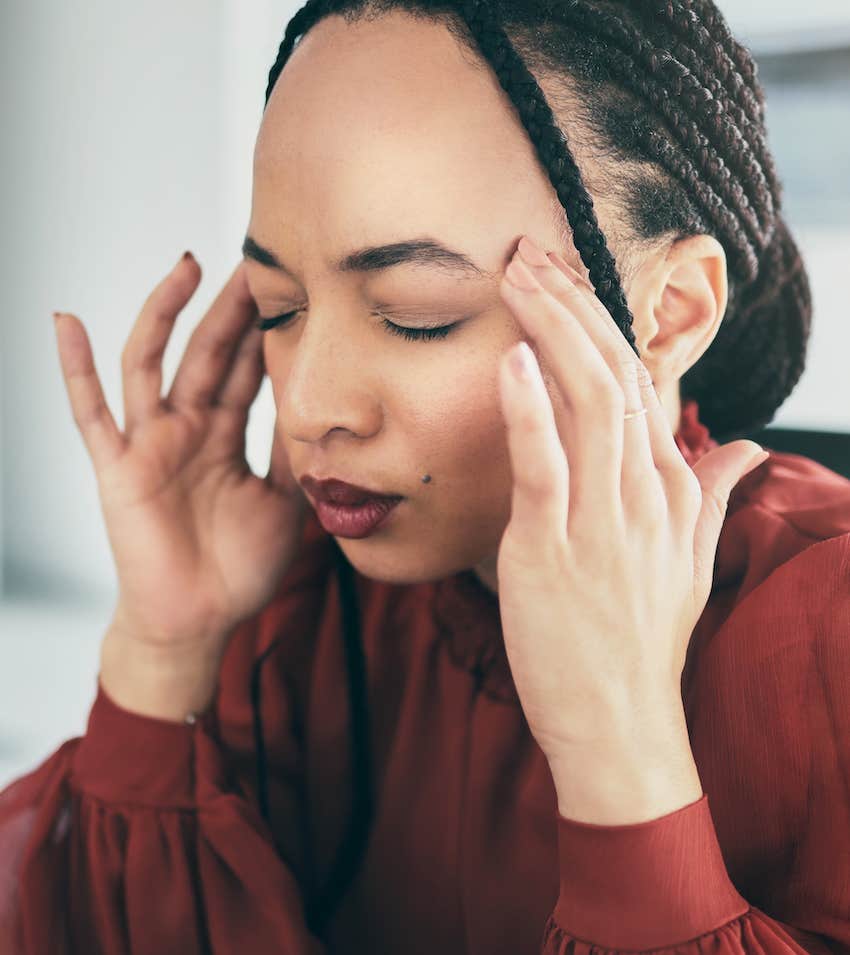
(366, 782)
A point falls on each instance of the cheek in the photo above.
(458, 429)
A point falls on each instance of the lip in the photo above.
(356, 522)
(337, 492)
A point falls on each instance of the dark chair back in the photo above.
(829, 448)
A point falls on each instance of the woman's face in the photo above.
(381, 133)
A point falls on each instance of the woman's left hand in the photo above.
(606, 563)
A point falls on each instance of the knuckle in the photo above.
(537, 480)
(631, 372)
(144, 361)
(646, 500)
(596, 389)
(642, 374)
(92, 414)
(611, 400)
(213, 347)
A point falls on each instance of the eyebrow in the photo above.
(375, 258)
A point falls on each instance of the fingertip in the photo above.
(186, 257)
(60, 318)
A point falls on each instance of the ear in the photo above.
(678, 298)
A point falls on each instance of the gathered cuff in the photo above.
(644, 885)
(129, 757)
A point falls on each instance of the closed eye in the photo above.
(412, 334)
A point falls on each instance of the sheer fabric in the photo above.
(234, 834)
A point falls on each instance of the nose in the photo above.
(328, 386)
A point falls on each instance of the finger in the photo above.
(104, 442)
(141, 359)
(593, 402)
(245, 375)
(665, 453)
(212, 344)
(280, 473)
(541, 474)
(630, 373)
(280, 470)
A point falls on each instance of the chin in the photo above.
(391, 562)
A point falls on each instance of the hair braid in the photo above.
(702, 53)
(655, 72)
(708, 167)
(741, 251)
(693, 36)
(694, 110)
(717, 27)
(557, 159)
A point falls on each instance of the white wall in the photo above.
(128, 134)
(780, 24)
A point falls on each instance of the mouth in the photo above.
(358, 520)
(349, 510)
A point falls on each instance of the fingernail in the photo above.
(520, 276)
(186, 255)
(531, 252)
(56, 316)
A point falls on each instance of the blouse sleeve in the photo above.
(140, 836)
(662, 885)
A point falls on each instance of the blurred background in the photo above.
(128, 137)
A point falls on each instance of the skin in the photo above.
(382, 131)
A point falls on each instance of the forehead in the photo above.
(380, 126)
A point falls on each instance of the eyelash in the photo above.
(411, 334)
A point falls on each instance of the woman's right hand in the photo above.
(200, 542)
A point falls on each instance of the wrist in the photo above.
(625, 780)
(169, 683)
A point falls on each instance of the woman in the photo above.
(484, 710)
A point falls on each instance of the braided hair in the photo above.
(667, 92)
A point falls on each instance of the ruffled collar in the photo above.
(466, 612)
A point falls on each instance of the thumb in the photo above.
(718, 473)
